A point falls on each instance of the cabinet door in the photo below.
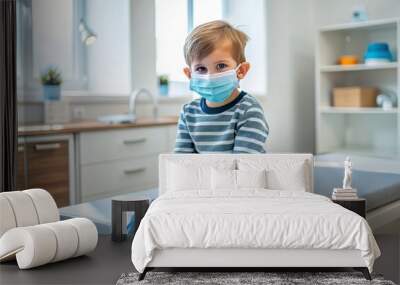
(48, 168)
(21, 168)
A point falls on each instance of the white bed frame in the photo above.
(249, 258)
(234, 257)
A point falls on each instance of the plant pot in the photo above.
(51, 92)
(163, 89)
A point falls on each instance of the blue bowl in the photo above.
(378, 51)
(378, 47)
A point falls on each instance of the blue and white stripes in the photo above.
(238, 127)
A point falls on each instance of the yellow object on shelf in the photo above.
(348, 60)
(354, 96)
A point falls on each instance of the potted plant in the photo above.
(163, 83)
(51, 81)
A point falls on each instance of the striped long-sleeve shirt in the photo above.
(237, 127)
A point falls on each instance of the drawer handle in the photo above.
(133, 141)
(134, 170)
(47, 146)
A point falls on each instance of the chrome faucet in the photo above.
(132, 101)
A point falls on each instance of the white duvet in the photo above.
(253, 218)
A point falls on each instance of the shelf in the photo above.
(357, 110)
(369, 131)
(358, 67)
(376, 24)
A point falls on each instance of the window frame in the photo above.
(26, 78)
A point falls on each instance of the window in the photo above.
(171, 31)
(48, 35)
(176, 18)
(206, 11)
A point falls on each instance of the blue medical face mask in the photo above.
(215, 87)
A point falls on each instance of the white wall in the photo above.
(289, 104)
(49, 20)
(339, 11)
(109, 68)
(251, 19)
(143, 43)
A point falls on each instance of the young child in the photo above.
(224, 119)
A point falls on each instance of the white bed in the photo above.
(203, 219)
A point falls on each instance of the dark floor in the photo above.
(111, 259)
(102, 266)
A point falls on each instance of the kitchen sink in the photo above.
(117, 119)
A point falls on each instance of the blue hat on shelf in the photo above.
(378, 52)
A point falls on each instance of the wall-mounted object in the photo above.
(355, 96)
(88, 37)
(377, 53)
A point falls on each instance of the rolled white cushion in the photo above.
(33, 246)
(87, 234)
(66, 238)
(7, 218)
(26, 208)
(45, 205)
(40, 244)
(23, 208)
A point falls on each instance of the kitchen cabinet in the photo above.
(91, 159)
(47, 162)
(119, 161)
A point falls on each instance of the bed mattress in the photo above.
(252, 218)
(379, 189)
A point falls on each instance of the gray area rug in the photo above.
(225, 278)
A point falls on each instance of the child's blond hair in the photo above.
(203, 39)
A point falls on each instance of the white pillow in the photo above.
(292, 179)
(185, 175)
(251, 178)
(223, 179)
(282, 174)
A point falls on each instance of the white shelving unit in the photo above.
(365, 131)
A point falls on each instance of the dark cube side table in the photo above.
(118, 208)
(358, 206)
